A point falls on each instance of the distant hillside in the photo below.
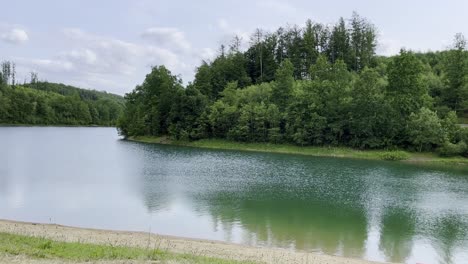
(68, 90)
(44, 103)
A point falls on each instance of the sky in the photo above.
(111, 44)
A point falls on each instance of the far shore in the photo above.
(198, 247)
(423, 158)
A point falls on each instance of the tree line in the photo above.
(354, 43)
(312, 86)
(44, 103)
(315, 85)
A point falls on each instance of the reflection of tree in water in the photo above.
(398, 230)
(307, 224)
(319, 204)
(450, 232)
(155, 190)
(150, 174)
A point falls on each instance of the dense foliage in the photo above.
(44, 103)
(315, 85)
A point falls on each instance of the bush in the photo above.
(425, 130)
(394, 155)
(450, 149)
(464, 134)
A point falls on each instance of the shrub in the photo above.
(450, 149)
(425, 130)
(394, 155)
(464, 134)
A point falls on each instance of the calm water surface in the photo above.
(382, 211)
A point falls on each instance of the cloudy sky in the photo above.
(111, 44)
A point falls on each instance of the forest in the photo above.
(44, 103)
(314, 85)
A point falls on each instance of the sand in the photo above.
(169, 243)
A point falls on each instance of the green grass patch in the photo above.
(36, 247)
(435, 158)
(394, 155)
(326, 151)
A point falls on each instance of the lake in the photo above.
(89, 177)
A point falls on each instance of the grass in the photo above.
(342, 152)
(36, 247)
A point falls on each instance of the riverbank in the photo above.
(336, 152)
(29, 249)
(31, 241)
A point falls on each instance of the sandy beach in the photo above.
(153, 241)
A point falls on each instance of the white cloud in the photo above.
(207, 54)
(103, 63)
(85, 56)
(388, 47)
(47, 65)
(167, 37)
(74, 33)
(110, 55)
(230, 32)
(14, 36)
(281, 7)
(223, 24)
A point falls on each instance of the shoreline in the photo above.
(172, 244)
(424, 158)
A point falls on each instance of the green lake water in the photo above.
(88, 177)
